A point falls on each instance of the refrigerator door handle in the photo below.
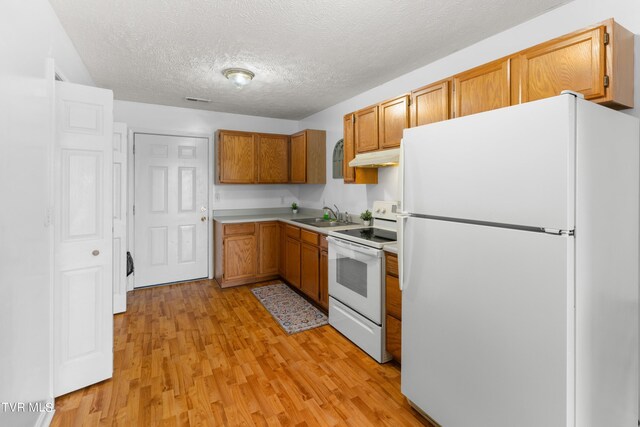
(401, 218)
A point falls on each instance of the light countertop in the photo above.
(392, 248)
(286, 217)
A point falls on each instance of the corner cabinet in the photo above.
(253, 252)
(308, 157)
(246, 252)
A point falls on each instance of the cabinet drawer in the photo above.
(393, 297)
(243, 228)
(293, 232)
(323, 242)
(394, 337)
(309, 237)
(391, 261)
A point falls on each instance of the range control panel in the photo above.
(385, 210)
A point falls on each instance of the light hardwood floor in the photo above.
(194, 354)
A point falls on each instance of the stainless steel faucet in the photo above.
(331, 210)
(337, 213)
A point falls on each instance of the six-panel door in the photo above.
(171, 209)
(83, 244)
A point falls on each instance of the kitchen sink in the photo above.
(323, 223)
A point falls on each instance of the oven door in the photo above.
(355, 277)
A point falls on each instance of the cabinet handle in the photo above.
(95, 252)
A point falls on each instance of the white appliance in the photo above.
(518, 248)
(356, 272)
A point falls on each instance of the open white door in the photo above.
(171, 214)
(83, 309)
(119, 217)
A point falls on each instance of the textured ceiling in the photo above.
(307, 55)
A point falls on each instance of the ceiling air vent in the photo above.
(193, 99)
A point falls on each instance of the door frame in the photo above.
(131, 173)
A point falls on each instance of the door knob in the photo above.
(203, 219)
(95, 252)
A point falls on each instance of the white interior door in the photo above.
(83, 289)
(487, 325)
(119, 217)
(171, 212)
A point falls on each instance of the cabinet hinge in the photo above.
(410, 102)
(606, 81)
(134, 209)
(134, 148)
(606, 38)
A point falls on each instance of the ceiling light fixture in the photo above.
(239, 76)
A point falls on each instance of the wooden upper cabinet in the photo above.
(309, 157)
(575, 62)
(268, 249)
(236, 157)
(273, 159)
(299, 158)
(354, 175)
(431, 104)
(482, 88)
(393, 119)
(597, 62)
(366, 129)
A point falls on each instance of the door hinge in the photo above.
(606, 38)
(606, 81)
(557, 232)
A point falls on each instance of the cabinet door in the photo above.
(575, 62)
(349, 148)
(482, 89)
(293, 261)
(310, 274)
(394, 118)
(268, 252)
(282, 250)
(324, 279)
(236, 157)
(366, 129)
(393, 337)
(299, 158)
(240, 257)
(354, 175)
(273, 159)
(430, 104)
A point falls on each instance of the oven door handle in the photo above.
(355, 247)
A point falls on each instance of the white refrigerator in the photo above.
(518, 251)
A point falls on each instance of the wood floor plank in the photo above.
(193, 354)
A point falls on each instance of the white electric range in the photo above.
(356, 280)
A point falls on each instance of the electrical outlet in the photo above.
(217, 197)
(282, 200)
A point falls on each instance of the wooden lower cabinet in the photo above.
(310, 270)
(292, 263)
(323, 298)
(393, 307)
(393, 337)
(239, 257)
(268, 249)
(254, 252)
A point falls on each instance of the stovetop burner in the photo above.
(371, 234)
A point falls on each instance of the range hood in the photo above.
(376, 159)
